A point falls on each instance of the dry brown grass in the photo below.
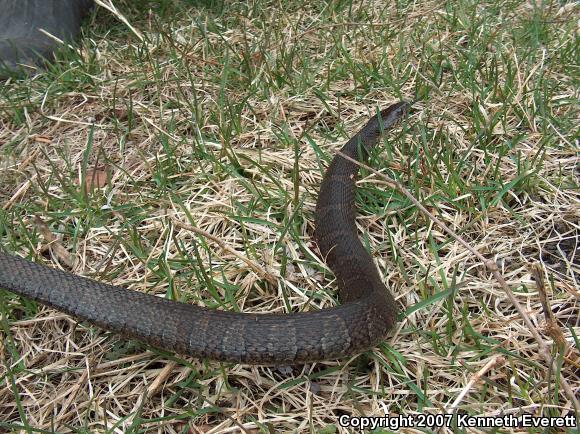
(224, 121)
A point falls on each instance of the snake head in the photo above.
(390, 115)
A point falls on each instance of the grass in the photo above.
(225, 118)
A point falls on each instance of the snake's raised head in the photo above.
(393, 113)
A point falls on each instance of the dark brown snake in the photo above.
(367, 313)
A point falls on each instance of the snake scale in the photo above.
(368, 310)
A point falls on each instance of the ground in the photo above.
(223, 116)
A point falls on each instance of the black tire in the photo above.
(23, 47)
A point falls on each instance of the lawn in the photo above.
(223, 116)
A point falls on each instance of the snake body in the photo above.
(366, 314)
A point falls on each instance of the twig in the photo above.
(264, 274)
(53, 242)
(552, 328)
(491, 266)
(495, 361)
(551, 325)
(161, 377)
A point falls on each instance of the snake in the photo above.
(366, 313)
